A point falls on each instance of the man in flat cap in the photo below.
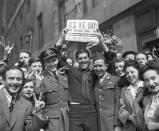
(55, 89)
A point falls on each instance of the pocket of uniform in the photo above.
(53, 114)
(108, 113)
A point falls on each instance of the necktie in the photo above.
(85, 87)
(12, 104)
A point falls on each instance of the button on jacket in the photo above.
(55, 89)
(106, 94)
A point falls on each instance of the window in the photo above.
(21, 18)
(21, 42)
(85, 7)
(40, 30)
(28, 5)
(94, 3)
(61, 14)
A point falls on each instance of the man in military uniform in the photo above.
(106, 92)
(55, 89)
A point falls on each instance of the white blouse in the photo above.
(151, 108)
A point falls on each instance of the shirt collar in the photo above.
(8, 96)
(139, 85)
(52, 73)
(103, 77)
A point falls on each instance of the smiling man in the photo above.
(82, 111)
(13, 108)
(106, 93)
(12, 119)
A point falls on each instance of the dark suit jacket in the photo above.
(13, 121)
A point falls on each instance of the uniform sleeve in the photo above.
(40, 120)
(117, 104)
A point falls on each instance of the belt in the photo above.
(74, 103)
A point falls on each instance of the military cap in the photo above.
(98, 56)
(50, 52)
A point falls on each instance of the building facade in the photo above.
(35, 25)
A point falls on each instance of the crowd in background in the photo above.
(96, 91)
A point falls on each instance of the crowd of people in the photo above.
(97, 91)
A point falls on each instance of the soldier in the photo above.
(106, 93)
(55, 89)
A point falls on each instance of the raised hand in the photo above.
(38, 78)
(39, 104)
(8, 48)
(152, 125)
(29, 74)
(2, 44)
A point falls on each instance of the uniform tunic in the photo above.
(55, 89)
(105, 96)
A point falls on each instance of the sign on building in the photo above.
(82, 31)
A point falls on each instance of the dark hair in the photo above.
(151, 65)
(117, 59)
(24, 51)
(34, 59)
(80, 51)
(132, 64)
(13, 68)
(127, 53)
(29, 80)
(141, 52)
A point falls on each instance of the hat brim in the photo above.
(55, 55)
(127, 53)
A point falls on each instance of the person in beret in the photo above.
(55, 91)
(106, 94)
(129, 55)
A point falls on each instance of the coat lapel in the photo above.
(4, 106)
(129, 98)
(16, 111)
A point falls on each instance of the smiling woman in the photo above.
(127, 112)
(150, 75)
(28, 89)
